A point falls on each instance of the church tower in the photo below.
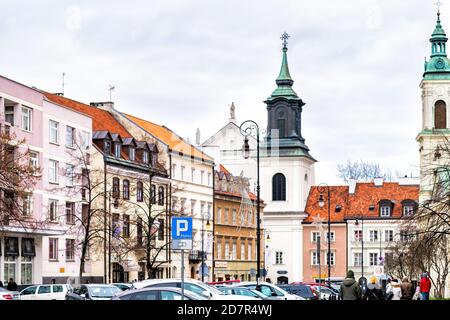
(287, 174)
(435, 87)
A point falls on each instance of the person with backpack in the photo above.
(350, 289)
(374, 291)
(407, 289)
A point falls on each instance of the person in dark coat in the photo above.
(407, 289)
(374, 291)
(12, 285)
(350, 289)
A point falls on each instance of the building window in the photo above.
(357, 235)
(373, 235)
(85, 140)
(182, 173)
(161, 196)
(357, 259)
(281, 124)
(202, 174)
(70, 137)
(26, 270)
(249, 251)
(331, 258)
(26, 119)
(126, 189)
(161, 229)
(219, 250)
(234, 251)
(53, 171)
(227, 251)
(440, 115)
(219, 215)
(279, 257)
(53, 210)
(53, 135)
(174, 204)
(139, 232)
(70, 212)
(116, 188)
(27, 205)
(9, 114)
(9, 268)
(116, 230)
(174, 169)
(192, 174)
(107, 147)
(314, 258)
(242, 250)
(193, 207)
(153, 194)
(385, 211)
(145, 157)
(314, 236)
(279, 187)
(373, 259)
(132, 154)
(227, 216)
(34, 161)
(53, 249)
(183, 205)
(70, 250)
(330, 236)
(388, 235)
(408, 210)
(233, 217)
(209, 178)
(117, 149)
(126, 226)
(70, 175)
(139, 192)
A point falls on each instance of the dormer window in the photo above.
(385, 208)
(154, 158)
(145, 156)
(117, 149)
(132, 154)
(107, 147)
(408, 207)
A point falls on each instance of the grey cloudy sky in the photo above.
(356, 63)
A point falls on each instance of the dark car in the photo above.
(164, 293)
(300, 290)
(93, 292)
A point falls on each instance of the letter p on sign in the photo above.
(182, 226)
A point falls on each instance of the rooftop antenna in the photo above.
(63, 75)
(111, 88)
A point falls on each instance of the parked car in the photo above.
(45, 292)
(122, 286)
(243, 291)
(163, 293)
(325, 292)
(193, 285)
(93, 292)
(300, 290)
(270, 290)
(9, 295)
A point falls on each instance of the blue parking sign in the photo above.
(181, 228)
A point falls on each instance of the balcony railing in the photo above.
(196, 255)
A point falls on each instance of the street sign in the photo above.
(181, 233)
(378, 270)
(204, 270)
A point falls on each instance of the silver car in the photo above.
(164, 293)
(9, 295)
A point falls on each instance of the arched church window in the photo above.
(440, 115)
(279, 187)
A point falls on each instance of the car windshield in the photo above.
(103, 291)
(211, 288)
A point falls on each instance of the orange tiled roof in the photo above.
(169, 137)
(357, 204)
(223, 169)
(101, 120)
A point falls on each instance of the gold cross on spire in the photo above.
(285, 38)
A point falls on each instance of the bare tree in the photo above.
(363, 171)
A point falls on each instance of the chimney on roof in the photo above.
(59, 94)
(352, 186)
(107, 105)
(378, 182)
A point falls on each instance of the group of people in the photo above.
(12, 285)
(395, 290)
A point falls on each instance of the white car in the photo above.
(270, 290)
(193, 285)
(9, 295)
(45, 292)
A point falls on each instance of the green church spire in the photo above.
(438, 67)
(284, 80)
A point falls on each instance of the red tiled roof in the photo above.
(101, 120)
(357, 204)
(251, 195)
(223, 169)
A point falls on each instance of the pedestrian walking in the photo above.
(425, 286)
(12, 286)
(417, 294)
(374, 291)
(407, 289)
(350, 289)
(396, 290)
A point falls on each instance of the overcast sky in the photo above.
(356, 63)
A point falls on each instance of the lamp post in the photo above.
(322, 188)
(266, 248)
(203, 242)
(246, 129)
(362, 243)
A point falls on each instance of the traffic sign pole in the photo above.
(182, 274)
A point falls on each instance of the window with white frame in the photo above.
(9, 114)
(145, 158)
(53, 131)
(70, 250)
(174, 169)
(53, 171)
(373, 259)
(209, 210)
(385, 211)
(227, 250)
(182, 173)
(249, 251)
(219, 215)
(357, 235)
(279, 257)
(226, 216)
(330, 236)
(132, 154)
(242, 250)
(117, 149)
(34, 161)
(53, 210)
(332, 261)
(233, 216)
(388, 235)
(27, 205)
(314, 236)
(219, 250)
(202, 208)
(234, 251)
(314, 258)
(192, 174)
(70, 213)
(357, 259)
(26, 119)
(408, 210)
(9, 268)
(26, 270)
(183, 205)
(70, 137)
(202, 174)
(53, 249)
(373, 235)
(209, 178)
(70, 175)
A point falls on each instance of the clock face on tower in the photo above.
(439, 64)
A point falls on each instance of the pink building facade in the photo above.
(43, 251)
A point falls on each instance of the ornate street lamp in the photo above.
(322, 188)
